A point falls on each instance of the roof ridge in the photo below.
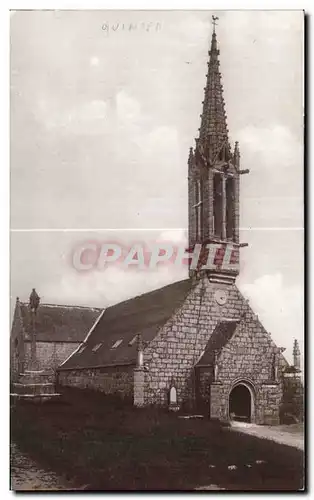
(65, 305)
(147, 293)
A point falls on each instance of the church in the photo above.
(194, 344)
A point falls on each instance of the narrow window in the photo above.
(116, 344)
(201, 207)
(132, 342)
(198, 197)
(230, 206)
(217, 202)
(81, 349)
(96, 347)
(196, 200)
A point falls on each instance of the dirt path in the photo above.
(26, 475)
(290, 435)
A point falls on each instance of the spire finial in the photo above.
(214, 22)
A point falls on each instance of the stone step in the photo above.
(35, 398)
(46, 388)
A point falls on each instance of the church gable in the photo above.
(250, 354)
(17, 328)
(179, 345)
(17, 347)
(214, 320)
(58, 323)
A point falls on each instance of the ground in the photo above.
(291, 435)
(26, 474)
(95, 444)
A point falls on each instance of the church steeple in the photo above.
(214, 172)
(213, 134)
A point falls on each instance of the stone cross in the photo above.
(34, 300)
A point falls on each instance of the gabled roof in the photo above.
(144, 314)
(220, 337)
(58, 323)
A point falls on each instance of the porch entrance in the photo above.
(240, 403)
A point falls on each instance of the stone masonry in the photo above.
(113, 380)
(248, 356)
(49, 354)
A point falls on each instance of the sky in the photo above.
(104, 108)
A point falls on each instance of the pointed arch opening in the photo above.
(242, 402)
(198, 197)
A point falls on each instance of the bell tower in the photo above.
(213, 183)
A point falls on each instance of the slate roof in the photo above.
(219, 338)
(144, 314)
(59, 323)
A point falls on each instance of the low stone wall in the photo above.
(113, 380)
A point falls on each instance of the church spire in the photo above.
(213, 134)
(214, 181)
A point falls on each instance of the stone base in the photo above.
(174, 407)
(34, 386)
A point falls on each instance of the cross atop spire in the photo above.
(213, 134)
(214, 22)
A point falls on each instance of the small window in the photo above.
(96, 347)
(132, 342)
(116, 344)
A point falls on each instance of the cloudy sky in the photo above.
(104, 108)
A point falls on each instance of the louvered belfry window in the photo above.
(198, 197)
(230, 208)
(218, 206)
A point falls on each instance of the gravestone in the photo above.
(173, 401)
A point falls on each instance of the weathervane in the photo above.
(214, 21)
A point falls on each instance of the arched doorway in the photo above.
(241, 403)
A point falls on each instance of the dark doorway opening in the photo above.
(240, 404)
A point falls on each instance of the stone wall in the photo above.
(292, 404)
(50, 354)
(174, 352)
(114, 380)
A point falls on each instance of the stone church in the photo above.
(52, 335)
(194, 344)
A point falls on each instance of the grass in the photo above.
(92, 440)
